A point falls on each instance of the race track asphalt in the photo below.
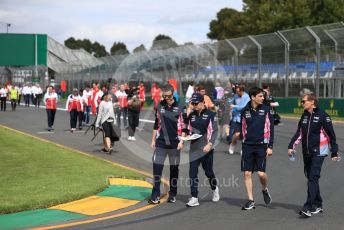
(287, 183)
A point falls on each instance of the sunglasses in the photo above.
(303, 101)
(194, 103)
(167, 96)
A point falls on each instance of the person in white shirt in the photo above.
(74, 106)
(106, 119)
(189, 92)
(88, 92)
(20, 92)
(33, 94)
(81, 114)
(3, 97)
(27, 94)
(38, 95)
(50, 100)
(122, 98)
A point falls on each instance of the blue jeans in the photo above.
(87, 114)
(124, 113)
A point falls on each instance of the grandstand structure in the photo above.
(289, 60)
(38, 58)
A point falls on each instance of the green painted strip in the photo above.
(127, 192)
(35, 218)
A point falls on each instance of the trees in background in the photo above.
(119, 48)
(95, 48)
(267, 16)
(140, 48)
(163, 42)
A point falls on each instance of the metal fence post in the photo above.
(286, 61)
(259, 60)
(317, 50)
(236, 61)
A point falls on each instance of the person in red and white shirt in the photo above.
(156, 95)
(74, 106)
(95, 89)
(50, 101)
(88, 94)
(98, 97)
(122, 98)
(142, 94)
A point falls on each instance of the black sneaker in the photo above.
(267, 197)
(305, 213)
(317, 210)
(249, 205)
(154, 201)
(171, 199)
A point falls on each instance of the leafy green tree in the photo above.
(140, 48)
(119, 48)
(229, 24)
(163, 42)
(326, 11)
(85, 44)
(98, 50)
(267, 16)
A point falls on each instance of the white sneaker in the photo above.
(129, 138)
(241, 153)
(216, 195)
(231, 149)
(133, 138)
(193, 202)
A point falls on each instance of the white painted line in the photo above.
(47, 132)
(75, 131)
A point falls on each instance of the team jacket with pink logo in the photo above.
(316, 133)
(257, 125)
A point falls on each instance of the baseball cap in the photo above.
(197, 98)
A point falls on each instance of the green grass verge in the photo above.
(36, 174)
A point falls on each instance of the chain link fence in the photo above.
(289, 61)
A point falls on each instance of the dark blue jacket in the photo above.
(257, 125)
(169, 123)
(316, 132)
(205, 124)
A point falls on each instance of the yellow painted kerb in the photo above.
(129, 182)
(95, 205)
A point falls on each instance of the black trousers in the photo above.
(3, 103)
(38, 100)
(313, 165)
(159, 157)
(27, 99)
(133, 119)
(73, 118)
(13, 104)
(80, 118)
(19, 98)
(207, 164)
(51, 117)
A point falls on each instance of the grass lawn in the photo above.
(35, 174)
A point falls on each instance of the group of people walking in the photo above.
(252, 121)
(246, 116)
